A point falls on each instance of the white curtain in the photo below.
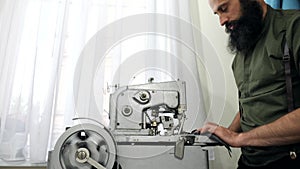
(62, 58)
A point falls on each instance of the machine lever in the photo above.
(214, 137)
(179, 148)
(95, 163)
(218, 140)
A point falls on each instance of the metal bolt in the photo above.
(81, 155)
(293, 155)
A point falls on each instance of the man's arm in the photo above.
(285, 130)
(235, 124)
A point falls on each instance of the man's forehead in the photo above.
(214, 4)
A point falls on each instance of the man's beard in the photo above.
(246, 30)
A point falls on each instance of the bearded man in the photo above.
(266, 44)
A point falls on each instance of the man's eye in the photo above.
(223, 9)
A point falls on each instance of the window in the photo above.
(44, 41)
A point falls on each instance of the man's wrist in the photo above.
(243, 140)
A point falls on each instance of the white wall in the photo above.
(210, 27)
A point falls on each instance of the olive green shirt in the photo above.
(260, 79)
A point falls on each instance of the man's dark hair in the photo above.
(247, 28)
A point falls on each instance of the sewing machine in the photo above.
(145, 131)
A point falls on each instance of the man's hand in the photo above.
(230, 137)
(283, 131)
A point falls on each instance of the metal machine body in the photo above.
(146, 131)
(148, 109)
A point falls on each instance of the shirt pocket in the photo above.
(267, 70)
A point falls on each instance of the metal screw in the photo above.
(81, 155)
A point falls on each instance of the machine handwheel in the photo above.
(84, 146)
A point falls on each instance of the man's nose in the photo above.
(223, 20)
